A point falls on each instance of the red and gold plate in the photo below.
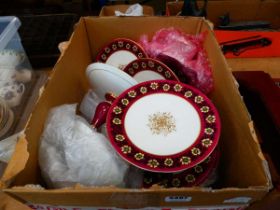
(120, 52)
(202, 174)
(145, 69)
(163, 126)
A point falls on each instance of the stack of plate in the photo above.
(156, 123)
(166, 127)
(6, 118)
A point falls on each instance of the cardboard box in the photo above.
(8, 203)
(246, 10)
(110, 10)
(244, 177)
(271, 66)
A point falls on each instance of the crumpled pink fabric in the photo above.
(184, 54)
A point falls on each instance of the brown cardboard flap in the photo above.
(17, 162)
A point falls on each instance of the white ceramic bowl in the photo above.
(105, 78)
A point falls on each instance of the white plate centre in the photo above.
(121, 58)
(147, 75)
(162, 124)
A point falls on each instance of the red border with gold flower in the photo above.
(120, 44)
(145, 64)
(191, 156)
(195, 176)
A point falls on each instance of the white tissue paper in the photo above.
(71, 152)
(89, 104)
(133, 10)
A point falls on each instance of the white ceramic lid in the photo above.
(105, 78)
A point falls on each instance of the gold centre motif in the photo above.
(162, 123)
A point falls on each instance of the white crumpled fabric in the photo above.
(71, 152)
(133, 10)
(89, 104)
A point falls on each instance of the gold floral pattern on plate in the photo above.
(127, 46)
(162, 123)
(198, 99)
(206, 142)
(209, 131)
(117, 110)
(185, 160)
(153, 163)
(166, 87)
(140, 55)
(143, 90)
(144, 65)
(135, 65)
(103, 56)
(159, 69)
(117, 121)
(168, 162)
(167, 74)
(188, 94)
(114, 47)
(126, 149)
(131, 71)
(211, 119)
(132, 93)
(190, 178)
(107, 50)
(178, 87)
(125, 101)
(119, 137)
(154, 85)
(120, 43)
(204, 109)
(195, 151)
(134, 48)
(139, 156)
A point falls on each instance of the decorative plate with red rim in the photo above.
(163, 126)
(195, 176)
(145, 69)
(120, 52)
